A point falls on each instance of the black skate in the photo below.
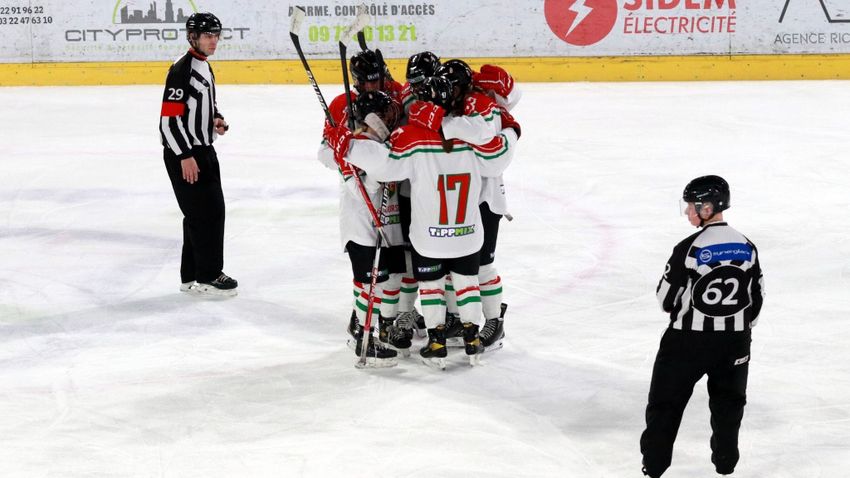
(419, 324)
(223, 286)
(412, 321)
(472, 343)
(454, 330)
(434, 353)
(493, 331)
(393, 337)
(404, 324)
(377, 356)
(354, 327)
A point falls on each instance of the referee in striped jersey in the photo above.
(713, 289)
(189, 123)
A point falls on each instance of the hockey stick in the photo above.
(367, 325)
(361, 40)
(298, 15)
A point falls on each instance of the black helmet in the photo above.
(203, 23)
(421, 66)
(365, 66)
(713, 189)
(458, 73)
(437, 90)
(371, 102)
(379, 103)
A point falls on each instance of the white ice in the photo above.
(107, 370)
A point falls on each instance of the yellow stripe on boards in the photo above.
(552, 69)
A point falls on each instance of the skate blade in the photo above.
(372, 362)
(455, 342)
(210, 292)
(475, 360)
(403, 352)
(435, 363)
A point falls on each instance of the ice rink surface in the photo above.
(107, 370)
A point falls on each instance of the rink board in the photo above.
(118, 42)
(653, 68)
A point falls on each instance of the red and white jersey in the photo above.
(479, 106)
(355, 221)
(445, 186)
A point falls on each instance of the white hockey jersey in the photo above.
(355, 221)
(481, 122)
(445, 186)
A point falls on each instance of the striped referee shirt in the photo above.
(188, 105)
(713, 282)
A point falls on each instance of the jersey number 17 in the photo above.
(451, 182)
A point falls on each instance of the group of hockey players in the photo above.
(429, 156)
(421, 167)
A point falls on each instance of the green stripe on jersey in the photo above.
(431, 302)
(469, 300)
(424, 149)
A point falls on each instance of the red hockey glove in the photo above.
(326, 129)
(426, 114)
(495, 79)
(339, 140)
(508, 121)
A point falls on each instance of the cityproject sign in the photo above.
(153, 30)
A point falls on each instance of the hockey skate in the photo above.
(454, 330)
(186, 286)
(393, 337)
(472, 343)
(412, 321)
(222, 287)
(493, 331)
(355, 330)
(377, 356)
(434, 353)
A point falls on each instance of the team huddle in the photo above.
(426, 160)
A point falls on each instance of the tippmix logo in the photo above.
(581, 22)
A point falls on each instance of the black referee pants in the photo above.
(683, 358)
(202, 205)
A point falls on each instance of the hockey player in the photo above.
(189, 124)
(359, 235)
(419, 66)
(499, 85)
(445, 230)
(475, 96)
(712, 288)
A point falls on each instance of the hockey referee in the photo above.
(189, 123)
(713, 290)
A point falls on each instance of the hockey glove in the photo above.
(426, 114)
(339, 140)
(495, 79)
(508, 121)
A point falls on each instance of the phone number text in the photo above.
(325, 33)
(25, 20)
